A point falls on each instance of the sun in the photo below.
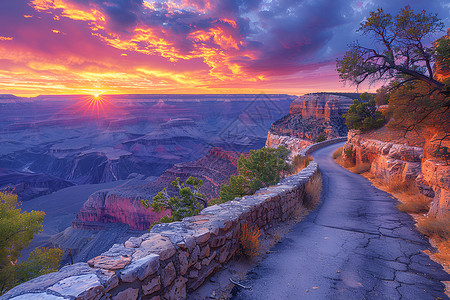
(95, 106)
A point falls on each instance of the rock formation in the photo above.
(295, 145)
(122, 204)
(314, 114)
(389, 160)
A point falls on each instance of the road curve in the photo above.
(356, 245)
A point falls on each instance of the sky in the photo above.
(182, 46)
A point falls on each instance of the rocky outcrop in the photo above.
(389, 160)
(122, 204)
(436, 173)
(174, 258)
(295, 145)
(314, 114)
(321, 105)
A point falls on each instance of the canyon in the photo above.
(311, 116)
(129, 136)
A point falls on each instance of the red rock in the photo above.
(123, 204)
(109, 263)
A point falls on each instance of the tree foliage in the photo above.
(17, 229)
(401, 50)
(262, 168)
(188, 202)
(363, 116)
(417, 104)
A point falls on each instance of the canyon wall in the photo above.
(388, 161)
(122, 204)
(312, 115)
(173, 258)
(295, 145)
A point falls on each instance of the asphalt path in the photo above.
(355, 245)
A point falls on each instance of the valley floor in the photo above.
(356, 245)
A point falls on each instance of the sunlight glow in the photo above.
(95, 106)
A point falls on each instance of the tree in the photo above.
(17, 229)
(321, 138)
(402, 53)
(382, 96)
(237, 188)
(188, 202)
(417, 104)
(262, 168)
(363, 116)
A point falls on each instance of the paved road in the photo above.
(356, 245)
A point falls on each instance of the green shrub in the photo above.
(363, 116)
(262, 168)
(321, 138)
(300, 162)
(188, 203)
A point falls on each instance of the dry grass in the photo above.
(249, 240)
(412, 201)
(300, 162)
(360, 168)
(438, 229)
(415, 204)
(313, 190)
(338, 152)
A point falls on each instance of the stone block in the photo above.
(184, 262)
(157, 244)
(205, 252)
(108, 279)
(151, 285)
(168, 274)
(201, 235)
(223, 253)
(178, 290)
(128, 294)
(76, 286)
(219, 241)
(109, 263)
(133, 242)
(194, 255)
(140, 269)
(207, 261)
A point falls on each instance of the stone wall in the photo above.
(173, 258)
(311, 148)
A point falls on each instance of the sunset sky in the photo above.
(181, 46)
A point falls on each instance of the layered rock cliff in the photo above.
(122, 204)
(314, 114)
(388, 160)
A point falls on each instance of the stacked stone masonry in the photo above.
(174, 258)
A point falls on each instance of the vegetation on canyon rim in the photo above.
(261, 168)
(188, 203)
(17, 229)
(416, 97)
